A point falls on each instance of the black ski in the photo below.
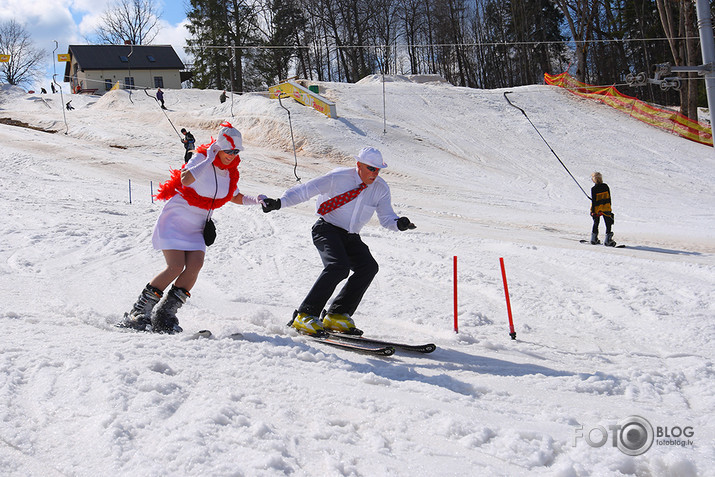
(198, 334)
(184, 336)
(421, 348)
(380, 350)
(324, 337)
(589, 242)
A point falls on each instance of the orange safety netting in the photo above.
(662, 118)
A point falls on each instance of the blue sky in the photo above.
(71, 21)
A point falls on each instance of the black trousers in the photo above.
(606, 219)
(341, 252)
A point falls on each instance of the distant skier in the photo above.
(160, 97)
(189, 143)
(601, 206)
(222, 98)
(347, 199)
(207, 182)
(69, 105)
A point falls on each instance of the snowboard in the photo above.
(589, 242)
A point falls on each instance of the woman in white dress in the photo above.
(208, 181)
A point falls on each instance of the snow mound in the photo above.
(420, 79)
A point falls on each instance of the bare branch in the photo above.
(134, 21)
(25, 65)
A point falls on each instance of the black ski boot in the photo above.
(140, 316)
(164, 319)
(609, 240)
(594, 238)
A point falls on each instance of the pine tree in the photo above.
(221, 32)
(284, 23)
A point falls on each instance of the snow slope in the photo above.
(602, 334)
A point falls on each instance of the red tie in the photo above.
(340, 200)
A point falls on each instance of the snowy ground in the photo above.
(602, 334)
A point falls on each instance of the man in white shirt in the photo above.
(347, 197)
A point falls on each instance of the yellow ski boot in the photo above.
(307, 324)
(340, 323)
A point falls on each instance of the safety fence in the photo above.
(662, 118)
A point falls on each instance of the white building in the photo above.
(98, 68)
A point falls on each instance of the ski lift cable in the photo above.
(54, 80)
(295, 157)
(547, 144)
(163, 111)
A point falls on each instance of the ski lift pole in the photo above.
(163, 111)
(129, 67)
(54, 80)
(547, 144)
(384, 107)
(707, 47)
(290, 124)
(233, 80)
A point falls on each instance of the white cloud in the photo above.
(89, 23)
(46, 21)
(71, 21)
(174, 35)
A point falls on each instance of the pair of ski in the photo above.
(341, 340)
(372, 346)
(356, 343)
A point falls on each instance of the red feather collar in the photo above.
(171, 187)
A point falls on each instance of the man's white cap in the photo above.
(371, 157)
(229, 138)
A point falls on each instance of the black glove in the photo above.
(271, 204)
(403, 223)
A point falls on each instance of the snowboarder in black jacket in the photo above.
(601, 206)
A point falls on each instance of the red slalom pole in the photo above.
(456, 324)
(512, 333)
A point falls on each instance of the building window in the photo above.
(128, 82)
(158, 81)
(107, 84)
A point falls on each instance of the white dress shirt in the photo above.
(356, 213)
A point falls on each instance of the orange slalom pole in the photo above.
(512, 333)
(456, 324)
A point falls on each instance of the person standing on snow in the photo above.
(347, 199)
(601, 206)
(207, 182)
(189, 141)
(222, 98)
(160, 97)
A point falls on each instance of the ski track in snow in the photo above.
(602, 334)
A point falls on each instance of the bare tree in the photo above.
(25, 65)
(679, 20)
(580, 15)
(134, 21)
